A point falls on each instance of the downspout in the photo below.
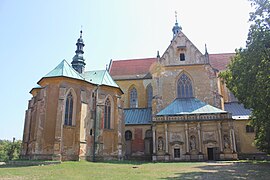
(95, 124)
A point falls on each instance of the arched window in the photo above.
(107, 114)
(148, 134)
(133, 98)
(184, 87)
(128, 135)
(149, 95)
(69, 110)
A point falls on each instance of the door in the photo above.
(148, 142)
(210, 153)
(128, 148)
(148, 146)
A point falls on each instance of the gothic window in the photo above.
(184, 87)
(107, 114)
(69, 110)
(133, 98)
(149, 95)
(182, 57)
(128, 135)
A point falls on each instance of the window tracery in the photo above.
(184, 87)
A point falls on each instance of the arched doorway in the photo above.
(148, 142)
(128, 138)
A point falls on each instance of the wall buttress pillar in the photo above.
(154, 140)
(199, 137)
(220, 136)
(166, 139)
(187, 142)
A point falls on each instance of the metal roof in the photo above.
(138, 116)
(238, 110)
(183, 106)
(100, 77)
(64, 69)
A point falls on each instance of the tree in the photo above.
(9, 150)
(248, 74)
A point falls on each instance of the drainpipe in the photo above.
(95, 124)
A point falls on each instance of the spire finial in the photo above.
(206, 55)
(205, 48)
(175, 12)
(81, 32)
(158, 56)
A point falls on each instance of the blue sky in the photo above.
(36, 35)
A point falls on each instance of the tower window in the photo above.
(182, 57)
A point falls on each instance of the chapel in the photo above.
(172, 107)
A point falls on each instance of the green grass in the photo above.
(136, 170)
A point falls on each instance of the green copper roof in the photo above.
(100, 77)
(64, 69)
(138, 116)
(189, 106)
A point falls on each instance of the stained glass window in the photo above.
(149, 95)
(69, 110)
(107, 114)
(184, 87)
(133, 98)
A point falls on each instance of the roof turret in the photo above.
(176, 28)
(78, 61)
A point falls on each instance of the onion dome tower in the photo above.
(78, 61)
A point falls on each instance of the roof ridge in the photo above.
(135, 59)
(103, 77)
(63, 61)
(220, 53)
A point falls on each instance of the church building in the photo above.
(172, 107)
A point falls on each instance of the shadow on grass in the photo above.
(131, 162)
(227, 170)
(24, 163)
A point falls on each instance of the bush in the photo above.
(9, 150)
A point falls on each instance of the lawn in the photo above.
(136, 170)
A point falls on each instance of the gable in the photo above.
(182, 46)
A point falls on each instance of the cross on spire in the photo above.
(176, 28)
